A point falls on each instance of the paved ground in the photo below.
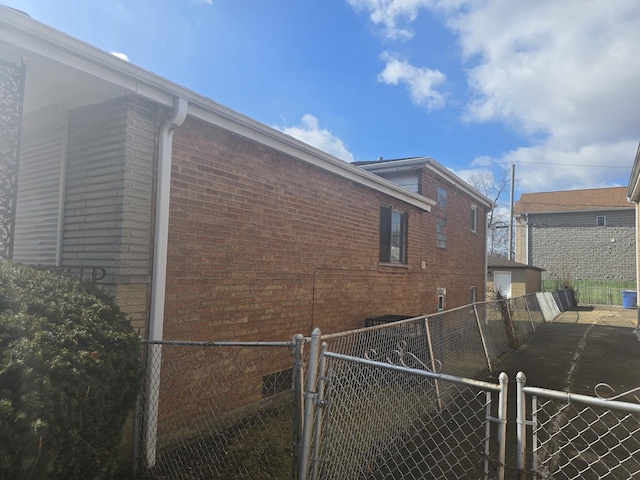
(582, 348)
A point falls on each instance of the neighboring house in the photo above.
(577, 234)
(205, 224)
(513, 279)
(633, 196)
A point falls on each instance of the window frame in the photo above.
(473, 292)
(390, 216)
(604, 220)
(474, 218)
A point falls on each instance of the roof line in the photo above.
(431, 164)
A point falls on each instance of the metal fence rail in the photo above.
(388, 421)
(577, 436)
(398, 399)
(220, 410)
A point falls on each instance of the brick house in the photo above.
(577, 234)
(205, 224)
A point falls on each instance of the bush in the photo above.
(69, 375)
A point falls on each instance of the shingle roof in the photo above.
(573, 200)
(501, 262)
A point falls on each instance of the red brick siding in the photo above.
(263, 246)
(461, 265)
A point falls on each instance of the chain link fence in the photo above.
(241, 410)
(220, 410)
(577, 436)
(383, 420)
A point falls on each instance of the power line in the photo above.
(556, 164)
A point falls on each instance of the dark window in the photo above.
(441, 219)
(601, 221)
(393, 233)
(474, 294)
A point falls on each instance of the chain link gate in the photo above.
(574, 436)
(375, 420)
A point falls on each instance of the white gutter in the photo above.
(526, 239)
(637, 329)
(159, 278)
(486, 258)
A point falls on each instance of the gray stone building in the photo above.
(577, 234)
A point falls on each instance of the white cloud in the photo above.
(420, 81)
(123, 56)
(394, 16)
(309, 131)
(564, 74)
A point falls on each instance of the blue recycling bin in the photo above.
(629, 299)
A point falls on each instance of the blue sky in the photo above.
(476, 84)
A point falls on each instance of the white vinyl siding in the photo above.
(40, 183)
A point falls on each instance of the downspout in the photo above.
(159, 277)
(637, 329)
(486, 256)
(526, 239)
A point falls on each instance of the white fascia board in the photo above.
(633, 190)
(27, 34)
(431, 164)
(395, 165)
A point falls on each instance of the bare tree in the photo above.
(498, 219)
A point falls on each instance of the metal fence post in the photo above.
(502, 424)
(298, 405)
(521, 425)
(526, 304)
(433, 361)
(484, 342)
(320, 405)
(309, 403)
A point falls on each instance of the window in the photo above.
(601, 221)
(393, 235)
(442, 293)
(441, 219)
(474, 219)
(474, 294)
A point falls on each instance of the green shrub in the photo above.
(69, 375)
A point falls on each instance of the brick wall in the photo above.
(263, 246)
(108, 216)
(570, 244)
(461, 265)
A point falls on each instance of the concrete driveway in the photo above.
(582, 348)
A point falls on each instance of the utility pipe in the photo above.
(159, 277)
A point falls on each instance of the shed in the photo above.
(513, 278)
